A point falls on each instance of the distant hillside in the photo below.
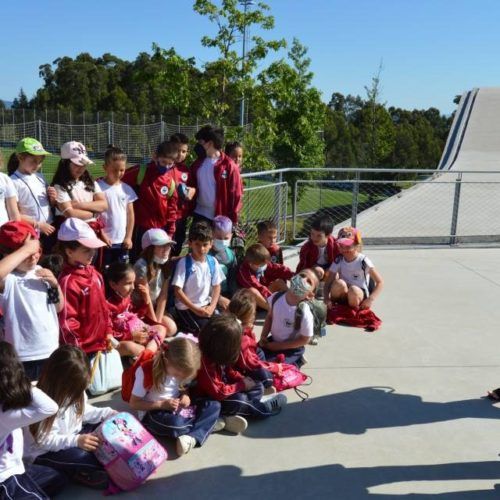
(8, 104)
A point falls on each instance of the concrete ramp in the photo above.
(437, 210)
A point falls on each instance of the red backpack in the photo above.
(145, 361)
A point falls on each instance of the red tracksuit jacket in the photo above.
(248, 279)
(249, 359)
(84, 319)
(228, 186)
(218, 382)
(309, 253)
(276, 254)
(154, 208)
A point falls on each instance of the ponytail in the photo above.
(13, 163)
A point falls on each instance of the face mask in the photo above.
(162, 169)
(299, 287)
(199, 150)
(159, 260)
(220, 245)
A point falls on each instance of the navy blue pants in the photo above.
(292, 356)
(71, 461)
(246, 404)
(37, 483)
(189, 322)
(265, 377)
(170, 424)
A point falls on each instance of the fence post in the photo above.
(84, 132)
(39, 130)
(109, 132)
(128, 133)
(456, 205)
(355, 199)
(112, 128)
(3, 123)
(70, 125)
(178, 123)
(97, 132)
(294, 209)
(280, 201)
(162, 128)
(24, 123)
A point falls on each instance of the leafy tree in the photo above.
(21, 101)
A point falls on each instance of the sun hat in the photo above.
(13, 234)
(76, 152)
(155, 237)
(31, 146)
(73, 229)
(349, 236)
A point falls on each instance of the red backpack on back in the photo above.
(145, 361)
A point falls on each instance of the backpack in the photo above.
(290, 377)
(128, 452)
(238, 243)
(140, 178)
(145, 361)
(318, 310)
(370, 284)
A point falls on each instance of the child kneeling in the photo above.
(164, 407)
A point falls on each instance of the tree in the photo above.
(21, 101)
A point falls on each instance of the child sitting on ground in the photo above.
(261, 276)
(223, 230)
(251, 361)
(240, 396)
(320, 249)
(197, 281)
(132, 333)
(352, 278)
(66, 441)
(164, 406)
(282, 339)
(30, 297)
(267, 233)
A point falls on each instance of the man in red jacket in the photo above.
(216, 177)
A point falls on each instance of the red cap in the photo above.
(13, 234)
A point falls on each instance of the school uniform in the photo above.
(77, 191)
(248, 278)
(311, 255)
(182, 175)
(7, 190)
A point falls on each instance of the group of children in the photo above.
(183, 326)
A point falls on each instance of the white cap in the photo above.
(73, 229)
(76, 152)
(155, 237)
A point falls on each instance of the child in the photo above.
(185, 193)
(267, 233)
(65, 441)
(166, 408)
(352, 274)
(118, 219)
(261, 276)
(35, 197)
(22, 405)
(223, 230)
(155, 186)
(251, 361)
(235, 151)
(128, 328)
(77, 194)
(279, 338)
(30, 297)
(321, 249)
(220, 345)
(216, 177)
(152, 271)
(197, 281)
(84, 319)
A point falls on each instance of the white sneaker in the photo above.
(314, 340)
(275, 403)
(219, 425)
(184, 444)
(235, 424)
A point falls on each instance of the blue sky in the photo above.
(431, 49)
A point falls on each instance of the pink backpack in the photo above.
(128, 452)
(290, 377)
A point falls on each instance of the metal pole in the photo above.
(98, 134)
(355, 200)
(162, 128)
(46, 128)
(294, 209)
(456, 205)
(245, 3)
(70, 125)
(279, 197)
(112, 127)
(58, 131)
(178, 123)
(128, 134)
(3, 123)
(24, 123)
(84, 134)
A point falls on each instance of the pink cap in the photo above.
(349, 236)
(76, 152)
(156, 237)
(74, 229)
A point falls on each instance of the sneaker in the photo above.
(96, 479)
(302, 361)
(270, 390)
(314, 340)
(274, 404)
(235, 424)
(219, 425)
(184, 444)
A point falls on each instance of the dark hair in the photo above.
(209, 133)
(114, 153)
(54, 262)
(243, 305)
(63, 178)
(64, 378)
(115, 272)
(231, 146)
(257, 254)
(200, 231)
(323, 223)
(61, 246)
(12, 164)
(15, 386)
(179, 138)
(266, 225)
(167, 149)
(220, 339)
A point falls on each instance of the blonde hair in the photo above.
(180, 353)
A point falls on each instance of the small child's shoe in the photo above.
(314, 340)
(275, 403)
(184, 444)
(302, 361)
(270, 390)
(235, 424)
(220, 425)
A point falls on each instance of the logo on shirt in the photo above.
(164, 190)
(184, 177)
(288, 323)
(356, 276)
(85, 291)
(224, 174)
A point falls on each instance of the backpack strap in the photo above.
(171, 189)
(189, 267)
(211, 265)
(277, 295)
(141, 174)
(299, 314)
